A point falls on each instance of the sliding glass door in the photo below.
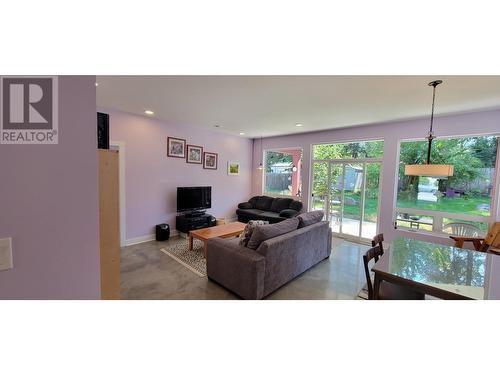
(348, 193)
(346, 186)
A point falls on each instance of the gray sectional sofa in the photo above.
(254, 274)
(268, 208)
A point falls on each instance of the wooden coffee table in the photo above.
(223, 231)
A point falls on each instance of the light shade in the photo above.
(429, 170)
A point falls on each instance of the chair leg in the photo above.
(376, 287)
(477, 245)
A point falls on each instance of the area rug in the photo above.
(193, 260)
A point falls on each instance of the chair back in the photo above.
(373, 253)
(462, 230)
(378, 240)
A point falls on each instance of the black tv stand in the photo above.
(195, 213)
(187, 222)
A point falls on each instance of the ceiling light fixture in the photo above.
(298, 125)
(428, 169)
(96, 84)
(149, 112)
(217, 126)
(241, 133)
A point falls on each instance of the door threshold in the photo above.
(362, 241)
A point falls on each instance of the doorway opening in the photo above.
(346, 186)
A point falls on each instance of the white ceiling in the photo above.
(272, 105)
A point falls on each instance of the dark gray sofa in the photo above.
(269, 209)
(254, 274)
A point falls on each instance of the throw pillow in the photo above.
(265, 232)
(288, 213)
(247, 232)
(296, 205)
(280, 204)
(309, 218)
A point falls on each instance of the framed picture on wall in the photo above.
(194, 154)
(176, 147)
(210, 160)
(233, 168)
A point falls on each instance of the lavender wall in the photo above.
(152, 178)
(471, 123)
(49, 205)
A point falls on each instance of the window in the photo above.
(463, 202)
(353, 150)
(283, 172)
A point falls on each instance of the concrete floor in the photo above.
(147, 273)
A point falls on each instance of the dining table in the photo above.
(438, 270)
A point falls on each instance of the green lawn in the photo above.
(456, 205)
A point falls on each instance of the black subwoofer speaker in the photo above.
(162, 232)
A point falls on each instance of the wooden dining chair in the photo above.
(378, 240)
(482, 244)
(386, 290)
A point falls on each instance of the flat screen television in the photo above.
(194, 198)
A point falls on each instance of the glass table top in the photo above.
(467, 273)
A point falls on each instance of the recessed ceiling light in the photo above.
(241, 133)
(149, 112)
(96, 84)
(298, 125)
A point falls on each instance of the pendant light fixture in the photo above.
(260, 167)
(428, 169)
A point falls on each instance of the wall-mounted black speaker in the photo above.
(102, 130)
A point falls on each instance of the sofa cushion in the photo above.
(288, 213)
(247, 232)
(280, 204)
(296, 205)
(245, 205)
(309, 218)
(269, 214)
(253, 201)
(264, 203)
(265, 232)
(250, 212)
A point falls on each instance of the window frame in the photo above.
(438, 216)
(379, 159)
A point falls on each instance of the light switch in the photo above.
(6, 254)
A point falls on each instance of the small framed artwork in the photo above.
(194, 154)
(233, 168)
(176, 147)
(210, 160)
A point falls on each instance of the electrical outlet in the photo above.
(6, 254)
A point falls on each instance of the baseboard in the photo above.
(136, 240)
(147, 238)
